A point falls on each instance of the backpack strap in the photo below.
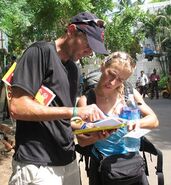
(147, 146)
(146, 166)
(85, 153)
(91, 97)
(159, 168)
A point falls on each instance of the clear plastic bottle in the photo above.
(131, 112)
(117, 137)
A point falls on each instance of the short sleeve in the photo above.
(30, 70)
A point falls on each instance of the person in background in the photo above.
(110, 98)
(142, 82)
(154, 79)
(45, 149)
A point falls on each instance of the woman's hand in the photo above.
(133, 125)
(90, 138)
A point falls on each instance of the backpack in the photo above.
(91, 81)
(146, 147)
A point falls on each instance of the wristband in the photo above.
(75, 112)
(83, 126)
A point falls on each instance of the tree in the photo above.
(28, 20)
(156, 1)
(159, 29)
(120, 33)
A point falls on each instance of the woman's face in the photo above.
(113, 76)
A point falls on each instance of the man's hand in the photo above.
(90, 113)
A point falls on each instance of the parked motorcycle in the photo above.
(167, 91)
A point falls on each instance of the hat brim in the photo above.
(96, 45)
(95, 37)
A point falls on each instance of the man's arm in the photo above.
(24, 107)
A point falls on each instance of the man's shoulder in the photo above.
(42, 47)
(41, 44)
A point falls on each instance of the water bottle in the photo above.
(117, 137)
(131, 112)
(133, 144)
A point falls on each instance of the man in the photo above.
(142, 82)
(154, 79)
(45, 150)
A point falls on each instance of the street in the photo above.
(160, 137)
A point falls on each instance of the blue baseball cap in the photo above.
(94, 28)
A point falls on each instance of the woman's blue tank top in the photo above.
(112, 145)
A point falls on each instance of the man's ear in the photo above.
(102, 67)
(71, 28)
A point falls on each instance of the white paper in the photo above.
(109, 121)
(137, 133)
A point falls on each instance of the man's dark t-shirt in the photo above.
(46, 142)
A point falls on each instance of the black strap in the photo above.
(91, 97)
(147, 146)
(159, 167)
(146, 166)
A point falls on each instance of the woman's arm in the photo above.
(149, 119)
(91, 138)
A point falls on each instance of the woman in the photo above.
(110, 98)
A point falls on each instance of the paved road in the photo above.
(161, 137)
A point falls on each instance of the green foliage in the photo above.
(163, 81)
(26, 21)
(15, 18)
(119, 32)
(156, 1)
(159, 29)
